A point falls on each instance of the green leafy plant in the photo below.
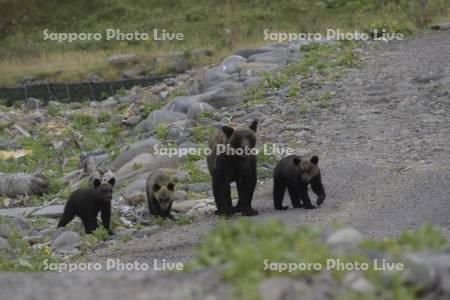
(104, 117)
(162, 130)
(21, 257)
(83, 121)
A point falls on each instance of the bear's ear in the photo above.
(315, 160)
(171, 186)
(254, 125)
(112, 181)
(227, 130)
(296, 160)
(97, 182)
(156, 187)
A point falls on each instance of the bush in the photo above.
(240, 250)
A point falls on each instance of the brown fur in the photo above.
(233, 167)
(160, 193)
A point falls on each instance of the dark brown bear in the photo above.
(232, 158)
(295, 173)
(87, 203)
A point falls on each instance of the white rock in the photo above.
(356, 282)
(346, 236)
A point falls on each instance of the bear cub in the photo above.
(296, 173)
(87, 203)
(160, 194)
(232, 159)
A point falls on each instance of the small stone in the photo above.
(164, 94)
(183, 206)
(5, 231)
(147, 231)
(33, 103)
(3, 243)
(135, 198)
(356, 282)
(109, 103)
(346, 236)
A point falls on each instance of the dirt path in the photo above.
(384, 148)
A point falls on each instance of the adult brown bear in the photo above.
(233, 158)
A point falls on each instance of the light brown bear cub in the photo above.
(160, 193)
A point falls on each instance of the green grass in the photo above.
(201, 133)
(162, 130)
(148, 108)
(56, 161)
(217, 25)
(196, 174)
(21, 257)
(324, 60)
(240, 249)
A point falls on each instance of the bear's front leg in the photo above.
(106, 218)
(294, 194)
(245, 190)
(222, 195)
(303, 192)
(90, 222)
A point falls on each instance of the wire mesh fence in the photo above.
(73, 92)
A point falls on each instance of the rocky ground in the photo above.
(384, 149)
(381, 130)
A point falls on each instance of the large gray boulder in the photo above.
(179, 130)
(133, 165)
(232, 63)
(280, 57)
(224, 98)
(255, 68)
(197, 108)
(229, 85)
(160, 117)
(66, 243)
(212, 77)
(136, 185)
(145, 163)
(180, 104)
(252, 81)
(13, 185)
(246, 53)
(144, 146)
